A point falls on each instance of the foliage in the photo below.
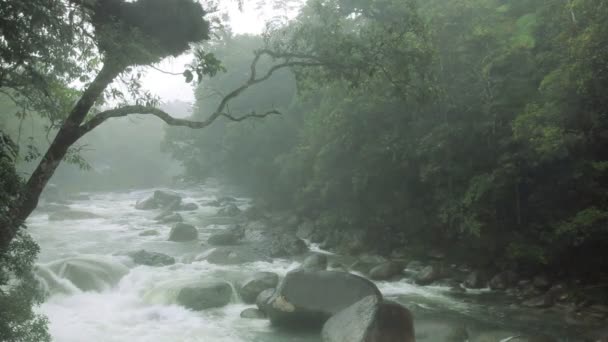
(19, 290)
(476, 125)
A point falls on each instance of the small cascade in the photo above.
(53, 284)
(84, 273)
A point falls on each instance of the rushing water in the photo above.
(127, 302)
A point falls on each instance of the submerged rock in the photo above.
(229, 210)
(229, 237)
(171, 218)
(428, 275)
(252, 313)
(143, 257)
(386, 271)
(253, 286)
(212, 294)
(309, 298)
(370, 320)
(89, 274)
(183, 232)
(72, 215)
(188, 207)
(149, 232)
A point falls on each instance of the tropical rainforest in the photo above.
(460, 143)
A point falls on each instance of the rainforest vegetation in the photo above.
(476, 130)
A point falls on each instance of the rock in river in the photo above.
(370, 320)
(183, 232)
(143, 257)
(252, 313)
(309, 298)
(287, 245)
(212, 294)
(386, 270)
(315, 262)
(253, 286)
(229, 237)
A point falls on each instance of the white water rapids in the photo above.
(124, 302)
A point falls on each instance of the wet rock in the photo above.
(386, 271)
(337, 266)
(366, 262)
(253, 286)
(188, 207)
(533, 338)
(263, 299)
(229, 237)
(167, 198)
(235, 255)
(475, 280)
(252, 313)
(206, 295)
(147, 204)
(72, 215)
(414, 265)
(305, 230)
(541, 282)
(229, 210)
(287, 245)
(171, 218)
(309, 298)
(370, 320)
(503, 280)
(428, 275)
(143, 257)
(315, 262)
(149, 232)
(183, 232)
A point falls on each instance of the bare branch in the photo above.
(290, 60)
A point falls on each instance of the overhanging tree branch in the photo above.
(288, 62)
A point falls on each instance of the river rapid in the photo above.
(127, 302)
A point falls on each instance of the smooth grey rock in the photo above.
(212, 294)
(229, 210)
(171, 218)
(252, 313)
(229, 237)
(370, 320)
(287, 245)
(306, 299)
(147, 204)
(315, 262)
(386, 271)
(428, 275)
(183, 232)
(143, 257)
(263, 299)
(254, 285)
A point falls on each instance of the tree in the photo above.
(116, 35)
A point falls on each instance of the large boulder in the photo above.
(229, 237)
(386, 271)
(253, 286)
(315, 262)
(72, 215)
(370, 320)
(183, 232)
(212, 294)
(287, 245)
(309, 298)
(143, 257)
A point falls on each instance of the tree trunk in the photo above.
(67, 135)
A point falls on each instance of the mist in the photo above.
(303, 171)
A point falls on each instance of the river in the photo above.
(134, 303)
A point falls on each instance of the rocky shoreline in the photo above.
(345, 258)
